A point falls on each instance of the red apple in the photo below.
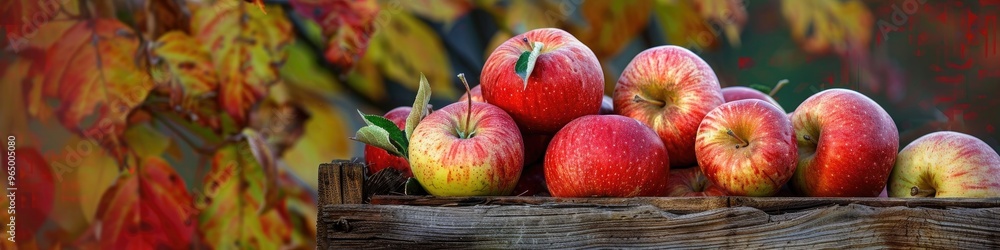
(532, 181)
(734, 93)
(847, 145)
(378, 159)
(566, 81)
(606, 155)
(747, 147)
(691, 182)
(607, 106)
(477, 95)
(455, 153)
(946, 164)
(669, 89)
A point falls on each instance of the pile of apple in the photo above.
(539, 122)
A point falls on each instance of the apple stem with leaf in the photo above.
(526, 62)
(771, 91)
(382, 133)
(465, 133)
(638, 98)
(743, 143)
(917, 192)
(777, 87)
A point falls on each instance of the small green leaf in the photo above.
(419, 109)
(377, 137)
(526, 62)
(761, 88)
(396, 136)
(413, 187)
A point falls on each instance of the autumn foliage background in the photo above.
(200, 124)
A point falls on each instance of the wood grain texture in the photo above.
(646, 225)
(353, 181)
(340, 182)
(329, 184)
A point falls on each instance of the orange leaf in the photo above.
(247, 48)
(150, 209)
(13, 114)
(348, 23)
(94, 69)
(187, 69)
(23, 20)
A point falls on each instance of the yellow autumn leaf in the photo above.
(821, 26)
(406, 47)
(324, 138)
(613, 24)
(444, 11)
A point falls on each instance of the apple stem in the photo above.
(917, 192)
(777, 87)
(468, 114)
(807, 137)
(744, 142)
(638, 98)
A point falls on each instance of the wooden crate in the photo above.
(349, 220)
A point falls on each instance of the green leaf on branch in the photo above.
(377, 137)
(419, 106)
(526, 63)
(396, 136)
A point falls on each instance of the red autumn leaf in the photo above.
(150, 209)
(349, 25)
(34, 192)
(94, 69)
(247, 48)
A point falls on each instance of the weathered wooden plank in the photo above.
(353, 181)
(673, 204)
(329, 184)
(786, 204)
(646, 225)
(328, 193)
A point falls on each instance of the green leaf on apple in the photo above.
(526, 62)
(419, 110)
(396, 136)
(377, 137)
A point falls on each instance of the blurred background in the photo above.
(200, 124)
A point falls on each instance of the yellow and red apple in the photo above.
(747, 147)
(670, 89)
(946, 164)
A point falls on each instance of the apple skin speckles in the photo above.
(606, 156)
